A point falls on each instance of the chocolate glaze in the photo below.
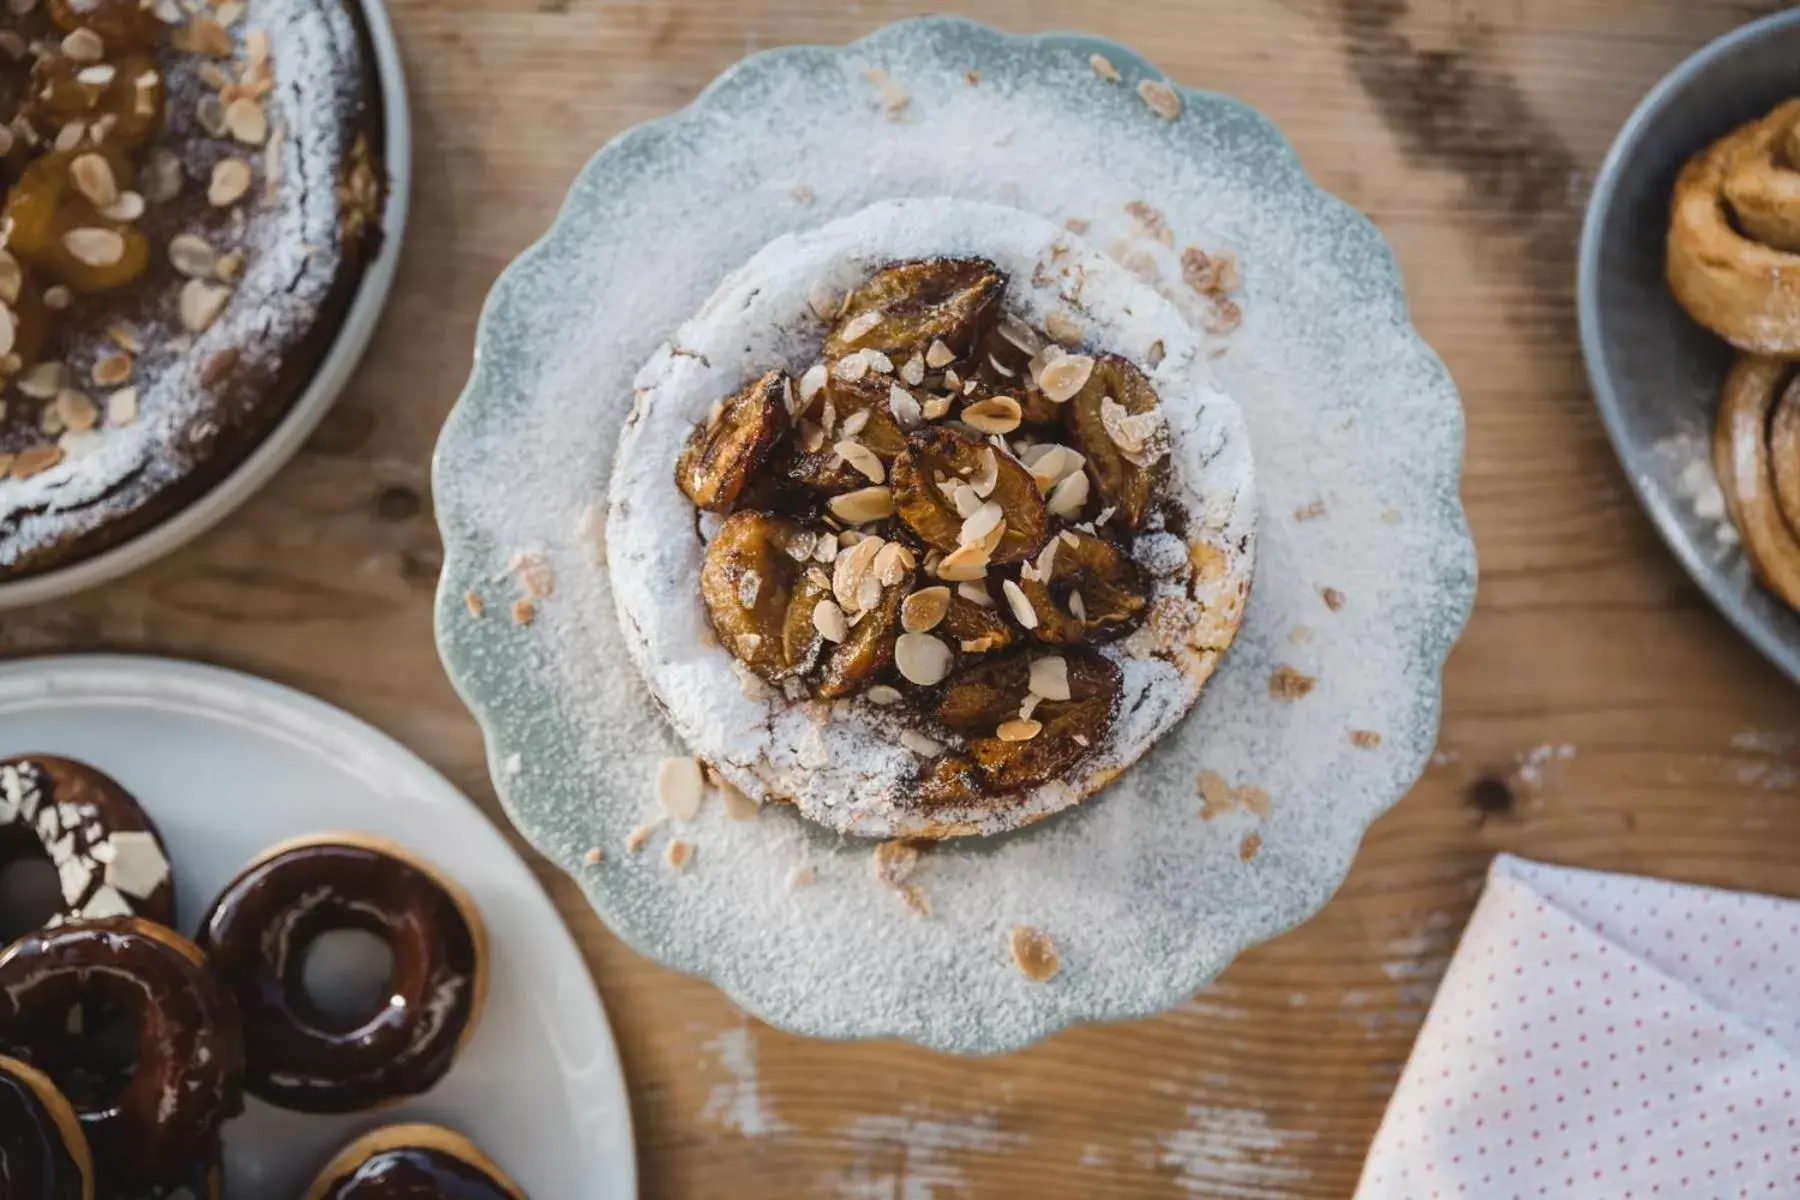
(257, 936)
(416, 1174)
(35, 1162)
(65, 813)
(189, 1074)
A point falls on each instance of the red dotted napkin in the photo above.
(1604, 1036)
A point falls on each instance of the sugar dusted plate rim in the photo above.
(477, 657)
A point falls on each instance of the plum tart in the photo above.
(931, 522)
(192, 192)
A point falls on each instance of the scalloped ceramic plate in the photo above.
(1357, 434)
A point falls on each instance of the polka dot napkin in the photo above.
(1604, 1036)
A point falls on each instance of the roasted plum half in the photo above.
(736, 438)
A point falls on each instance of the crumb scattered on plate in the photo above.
(1034, 953)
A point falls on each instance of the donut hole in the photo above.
(347, 976)
(30, 894)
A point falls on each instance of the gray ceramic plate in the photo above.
(1656, 373)
(1357, 434)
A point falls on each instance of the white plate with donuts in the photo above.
(241, 780)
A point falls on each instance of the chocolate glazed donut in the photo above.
(188, 1078)
(43, 1153)
(413, 1162)
(258, 933)
(109, 858)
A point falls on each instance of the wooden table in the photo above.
(1598, 711)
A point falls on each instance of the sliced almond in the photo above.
(1034, 953)
(680, 787)
(1021, 607)
(921, 611)
(93, 246)
(853, 568)
(1103, 67)
(678, 854)
(1077, 606)
(1062, 327)
(35, 461)
(201, 303)
(1160, 98)
(912, 371)
(975, 592)
(860, 326)
(231, 180)
(864, 505)
(938, 355)
(979, 524)
(883, 695)
(76, 411)
(1062, 377)
(829, 620)
(83, 46)
(919, 744)
(92, 176)
(127, 208)
(43, 380)
(862, 459)
(893, 564)
(1018, 731)
(1050, 677)
(853, 424)
(192, 255)
(110, 370)
(908, 413)
(122, 407)
(921, 658)
(812, 382)
(1069, 497)
(964, 563)
(246, 121)
(823, 300)
(984, 481)
(935, 407)
(997, 414)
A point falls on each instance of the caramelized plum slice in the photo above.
(868, 651)
(1093, 591)
(927, 508)
(122, 97)
(903, 308)
(826, 470)
(982, 698)
(1128, 473)
(57, 229)
(751, 582)
(973, 629)
(733, 442)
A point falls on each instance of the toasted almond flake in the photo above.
(912, 371)
(921, 611)
(43, 380)
(1046, 559)
(201, 303)
(862, 459)
(110, 370)
(853, 424)
(474, 603)
(635, 840)
(1365, 739)
(231, 179)
(594, 856)
(985, 480)
(1050, 677)
(905, 406)
(9, 327)
(1077, 607)
(246, 121)
(92, 176)
(35, 461)
(1062, 377)
(980, 523)
(883, 695)
(938, 356)
(678, 854)
(853, 568)
(93, 246)
(1250, 846)
(852, 367)
(1334, 599)
(812, 382)
(829, 620)
(921, 658)
(936, 407)
(860, 326)
(1069, 497)
(524, 612)
(864, 505)
(83, 46)
(1160, 98)
(894, 862)
(964, 563)
(76, 411)
(997, 414)
(738, 805)
(1063, 327)
(823, 299)
(1032, 700)
(1034, 953)
(1021, 607)
(126, 209)
(680, 787)
(1103, 67)
(878, 362)
(975, 592)
(812, 438)
(919, 744)
(1018, 731)
(192, 255)
(799, 877)
(893, 564)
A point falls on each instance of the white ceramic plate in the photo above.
(228, 765)
(285, 440)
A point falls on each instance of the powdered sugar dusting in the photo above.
(292, 256)
(738, 1103)
(845, 766)
(916, 1154)
(1143, 900)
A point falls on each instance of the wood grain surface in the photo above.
(1469, 130)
